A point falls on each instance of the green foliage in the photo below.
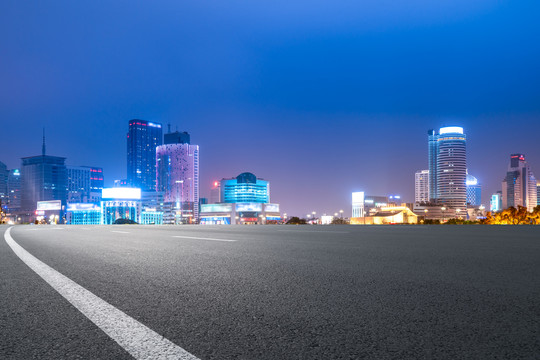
(295, 220)
(124, 222)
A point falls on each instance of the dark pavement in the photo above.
(282, 292)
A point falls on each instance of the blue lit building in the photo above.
(120, 203)
(245, 188)
(83, 214)
(474, 191)
(496, 202)
(142, 140)
(14, 190)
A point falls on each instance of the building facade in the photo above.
(474, 191)
(247, 188)
(177, 138)
(84, 184)
(4, 193)
(43, 178)
(142, 140)
(178, 178)
(120, 203)
(432, 164)
(421, 186)
(14, 190)
(519, 184)
(452, 167)
(496, 203)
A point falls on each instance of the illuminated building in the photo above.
(387, 215)
(215, 193)
(432, 164)
(447, 160)
(474, 191)
(421, 186)
(14, 190)
(142, 140)
(519, 185)
(495, 204)
(240, 213)
(538, 193)
(43, 178)
(83, 214)
(246, 187)
(154, 208)
(178, 177)
(3, 184)
(363, 205)
(84, 184)
(243, 200)
(120, 203)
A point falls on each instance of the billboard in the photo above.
(121, 193)
(249, 207)
(209, 208)
(49, 205)
(271, 207)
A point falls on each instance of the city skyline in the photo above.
(264, 94)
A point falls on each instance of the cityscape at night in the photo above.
(270, 180)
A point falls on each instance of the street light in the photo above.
(443, 210)
(457, 213)
(341, 213)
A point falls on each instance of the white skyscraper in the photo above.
(421, 186)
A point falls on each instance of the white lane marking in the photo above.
(86, 229)
(120, 232)
(202, 238)
(45, 228)
(137, 339)
(320, 232)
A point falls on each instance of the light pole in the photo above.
(341, 213)
(425, 215)
(457, 213)
(179, 205)
(443, 210)
(313, 212)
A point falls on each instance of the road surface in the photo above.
(273, 292)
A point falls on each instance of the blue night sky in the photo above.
(321, 98)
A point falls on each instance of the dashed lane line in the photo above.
(137, 339)
(203, 238)
(120, 232)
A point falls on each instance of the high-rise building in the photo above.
(14, 190)
(432, 164)
(215, 192)
(474, 191)
(3, 185)
(447, 158)
(84, 184)
(142, 140)
(495, 205)
(519, 184)
(538, 193)
(178, 177)
(421, 186)
(247, 188)
(43, 178)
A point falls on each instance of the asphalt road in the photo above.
(281, 292)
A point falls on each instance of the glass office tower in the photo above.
(43, 178)
(142, 140)
(452, 167)
(178, 177)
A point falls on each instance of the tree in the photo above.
(295, 220)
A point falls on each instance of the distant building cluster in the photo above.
(162, 187)
(446, 190)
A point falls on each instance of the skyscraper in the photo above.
(519, 184)
(142, 140)
(14, 190)
(474, 191)
(3, 184)
(432, 164)
(43, 178)
(447, 158)
(421, 186)
(84, 184)
(178, 177)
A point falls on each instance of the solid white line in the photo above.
(137, 339)
(120, 232)
(202, 238)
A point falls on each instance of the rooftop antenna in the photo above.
(169, 126)
(43, 146)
